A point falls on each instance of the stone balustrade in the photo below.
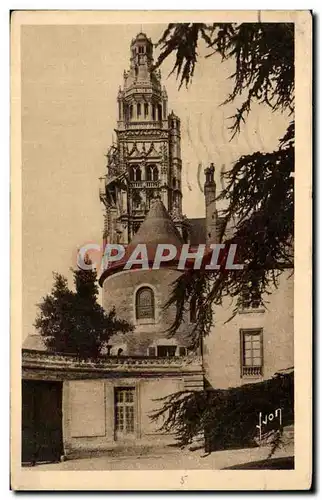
(38, 364)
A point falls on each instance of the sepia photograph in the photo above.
(155, 173)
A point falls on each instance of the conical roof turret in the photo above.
(157, 227)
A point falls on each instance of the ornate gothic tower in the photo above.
(145, 161)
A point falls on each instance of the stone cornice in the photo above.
(150, 133)
(43, 365)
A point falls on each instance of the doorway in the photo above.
(42, 436)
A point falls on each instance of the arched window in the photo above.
(125, 111)
(148, 173)
(135, 173)
(152, 173)
(155, 173)
(144, 303)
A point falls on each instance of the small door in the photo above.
(125, 413)
(42, 439)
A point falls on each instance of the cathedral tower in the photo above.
(145, 161)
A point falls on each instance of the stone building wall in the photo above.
(89, 403)
(89, 413)
(222, 348)
(119, 291)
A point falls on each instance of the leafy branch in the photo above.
(263, 54)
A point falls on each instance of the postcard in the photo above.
(161, 179)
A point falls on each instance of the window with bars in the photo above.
(251, 352)
(124, 410)
(144, 303)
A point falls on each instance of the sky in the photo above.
(70, 76)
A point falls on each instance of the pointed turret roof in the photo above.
(157, 227)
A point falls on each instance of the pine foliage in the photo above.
(260, 186)
(228, 418)
(259, 194)
(73, 322)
